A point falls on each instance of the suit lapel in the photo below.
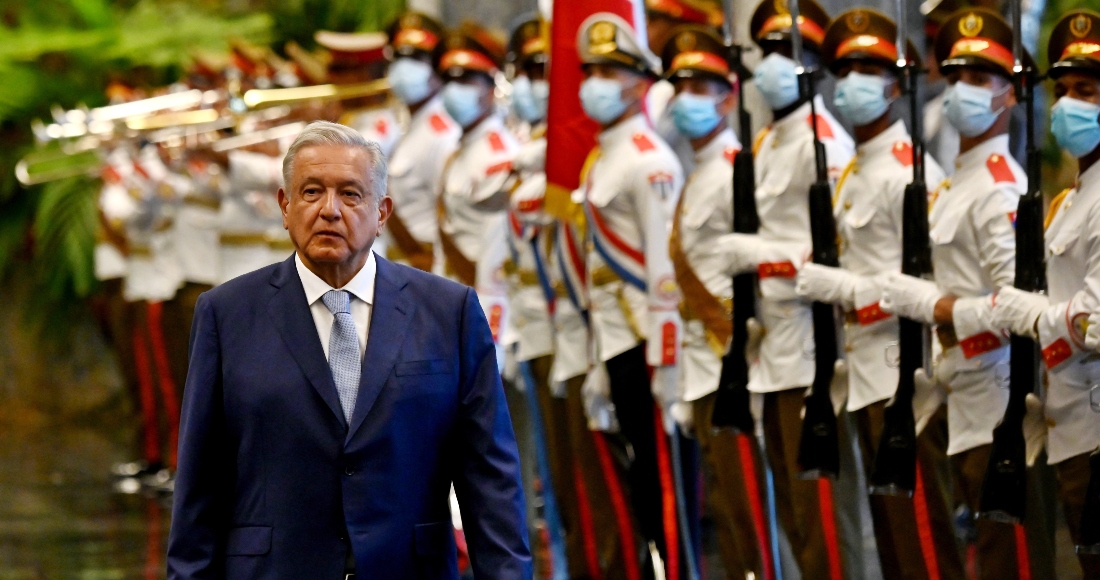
(389, 322)
(291, 314)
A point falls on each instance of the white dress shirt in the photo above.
(361, 288)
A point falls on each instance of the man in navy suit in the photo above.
(333, 399)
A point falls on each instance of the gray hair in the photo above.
(326, 133)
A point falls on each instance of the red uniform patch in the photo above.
(495, 314)
(1056, 353)
(110, 175)
(871, 314)
(824, 129)
(439, 124)
(529, 205)
(668, 343)
(497, 168)
(999, 169)
(979, 344)
(495, 142)
(903, 152)
(141, 171)
(642, 142)
(382, 127)
(731, 152)
(776, 270)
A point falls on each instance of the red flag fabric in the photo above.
(570, 134)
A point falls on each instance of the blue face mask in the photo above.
(529, 106)
(777, 78)
(1076, 126)
(695, 115)
(463, 102)
(861, 98)
(410, 79)
(970, 108)
(602, 99)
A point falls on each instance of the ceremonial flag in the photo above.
(570, 134)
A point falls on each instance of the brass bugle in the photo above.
(260, 98)
(257, 137)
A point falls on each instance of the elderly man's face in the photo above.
(330, 208)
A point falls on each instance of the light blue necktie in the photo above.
(343, 349)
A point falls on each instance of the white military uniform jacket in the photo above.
(196, 229)
(250, 214)
(706, 212)
(530, 233)
(784, 163)
(415, 170)
(477, 173)
(1073, 284)
(380, 125)
(631, 191)
(971, 225)
(868, 210)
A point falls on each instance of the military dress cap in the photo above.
(863, 34)
(530, 43)
(415, 33)
(471, 48)
(352, 48)
(1075, 44)
(605, 38)
(977, 37)
(694, 51)
(771, 22)
(688, 11)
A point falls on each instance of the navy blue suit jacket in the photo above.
(271, 477)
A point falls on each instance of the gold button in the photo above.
(1050, 423)
(847, 205)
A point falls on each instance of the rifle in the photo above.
(895, 467)
(731, 406)
(819, 445)
(1004, 489)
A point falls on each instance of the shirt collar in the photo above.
(624, 129)
(361, 285)
(489, 124)
(884, 141)
(717, 146)
(799, 118)
(997, 144)
(432, 107)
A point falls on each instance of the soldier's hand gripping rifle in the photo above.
(731, 407)
(1004, 489)
(895, 464)
(819, 446)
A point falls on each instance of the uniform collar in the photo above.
(361, 285)
(979, 154)
(490, 124)
(432, 107)
(717, 146)
(1089, 177)
(623, 130)
(798, 119)
(884, 141)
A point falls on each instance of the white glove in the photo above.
(910, 297)
(598, 407)
(838, 388)
(738, 252)
(1092, 335)
(928, 395)
(818, 283)
(755, 333)
(1035, 428)
(665, 385)
(1016, 311)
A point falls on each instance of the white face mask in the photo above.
(410, 79)
(970, 108)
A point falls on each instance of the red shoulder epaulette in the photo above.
(642, 142)
(731, 152)
(110, 175)
(439, 124)
(903, 152)
(495, 142)
(999, 169)
(824, 129)
(382, 126)
(141, 171)
(498, 167)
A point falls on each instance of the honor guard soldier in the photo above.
(359, 57)
(662, 16)
(1058, 320)
(250, 213)
(630, 190)
(695, 62)
(784, 154)
(416, 165)
(972, 230)
(473, 199)
(861, 50)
